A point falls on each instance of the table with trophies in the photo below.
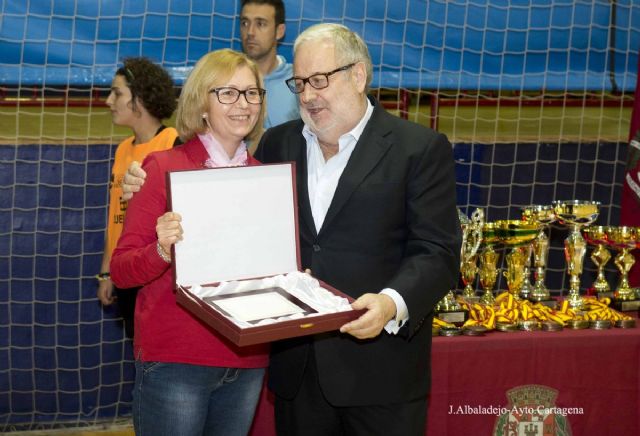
(530, 306)
(583, 350)
(586, 348)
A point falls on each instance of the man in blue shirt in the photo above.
(261, 27)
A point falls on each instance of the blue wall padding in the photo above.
(62, 355)
(484, 44)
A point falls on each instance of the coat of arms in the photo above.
(532, 412)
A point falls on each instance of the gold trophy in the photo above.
(448, 308)
(518, 235)
(624, 239)
(471, 240)
(468, 271)
(526, 288)
(488, 263)
(577, 214)
(600, 256)
(543, 215)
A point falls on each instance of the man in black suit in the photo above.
(378, 220)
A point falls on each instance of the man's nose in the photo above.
(308, 93)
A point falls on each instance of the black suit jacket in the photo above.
(392, 223)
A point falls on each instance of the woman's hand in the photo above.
(169, 230)
(105, 292)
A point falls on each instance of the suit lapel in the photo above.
(369, 150)
(298, 154)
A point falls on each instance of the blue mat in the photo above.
(560, 45)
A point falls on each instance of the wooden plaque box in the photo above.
(240, 230)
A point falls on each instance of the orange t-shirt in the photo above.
(126, 153)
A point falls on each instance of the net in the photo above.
(535, 96)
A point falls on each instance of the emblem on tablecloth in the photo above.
(532, 412)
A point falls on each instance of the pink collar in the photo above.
(218, 157)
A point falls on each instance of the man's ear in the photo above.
(359, 72)
(280, 29)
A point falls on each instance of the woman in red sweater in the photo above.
(189, 380)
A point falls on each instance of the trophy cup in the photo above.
(543, 215)
(471, 240)
(468, 271)
(577, 214)
(624, 239)
(597, 236)
(448, 309)
(518, 235)
(526, 288)
(488, 263)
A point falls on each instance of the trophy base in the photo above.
(605, 294)
(580, 313)
(457, 317)
(472, 300)
(626, 306)
(552, 304)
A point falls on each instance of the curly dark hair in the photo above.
(152, 84)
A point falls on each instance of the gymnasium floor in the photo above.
(121, 429)
(124, 431)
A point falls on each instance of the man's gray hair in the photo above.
(349, 46)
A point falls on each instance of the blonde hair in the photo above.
(212, 70)
(349, 47)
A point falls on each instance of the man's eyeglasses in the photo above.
(317, 81)
(229, 95)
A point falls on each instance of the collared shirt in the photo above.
(322, 181)
(218, 157)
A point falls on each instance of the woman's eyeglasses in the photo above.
(229, 95)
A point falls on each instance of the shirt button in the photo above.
(316, 247)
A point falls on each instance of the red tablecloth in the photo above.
(595, 371)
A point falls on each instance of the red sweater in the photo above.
(166, 332)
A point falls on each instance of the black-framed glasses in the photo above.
(317, 81)
(229, 95)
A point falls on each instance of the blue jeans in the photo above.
(176, 399)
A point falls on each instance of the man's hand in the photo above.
(380, 310)
(133, 180)
(169, 230)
